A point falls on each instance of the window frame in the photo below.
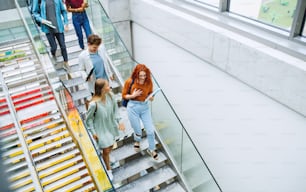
(295, 33)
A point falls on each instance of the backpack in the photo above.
(124, 102)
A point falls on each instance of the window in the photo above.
(210, 2)
(279, 13)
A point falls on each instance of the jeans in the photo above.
(140, 111)
(81, 20)
(61, 40)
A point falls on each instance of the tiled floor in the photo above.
(250, 142)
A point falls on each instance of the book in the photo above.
(152, 94)
(49, 23)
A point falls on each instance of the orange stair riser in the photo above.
(34, 118)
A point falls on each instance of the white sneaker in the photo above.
(110, 174)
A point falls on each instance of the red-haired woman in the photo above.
(136, 89)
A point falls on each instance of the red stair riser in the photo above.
(7, 127)
(28, 92)
(34, 118)
(30, 98)
(34, 103)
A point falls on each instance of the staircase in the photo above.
(41, 153)
(36, 142)
(72, 79)
(132, 171)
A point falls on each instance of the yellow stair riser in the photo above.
(17, 160)
(15, 153)
(16, 186)
(38, 145)
(40, 168)
(64, 183)
(60, 177)
(12, 179)
(57, 170)
(54, 132)
(31, 189)
(79, 186)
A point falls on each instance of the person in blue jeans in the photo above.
(136, 89)
(50, 13)
(79, 18)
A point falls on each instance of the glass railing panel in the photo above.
(168, 127)
(180, 147)
(83, 138)
(176, 141)
(194, 168)
(126, 69)
(33, 29)
(115, 47)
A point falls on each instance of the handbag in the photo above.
(89, 74)
(125, 101)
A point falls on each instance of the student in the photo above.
(49, 13)
(93, 63)
(137, 109)
(79, 18)
(103, 120)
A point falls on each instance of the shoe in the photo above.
(53, 55)
(110, 174)
(66, 66)
(153, 154)
(137, 147)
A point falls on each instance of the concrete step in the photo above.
(174, 187)
(149, 181)
(136, 166)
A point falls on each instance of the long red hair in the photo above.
(141, 67)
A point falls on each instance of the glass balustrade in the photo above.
(86, 142)
(169, 127)
(116, 49)
(33, 29)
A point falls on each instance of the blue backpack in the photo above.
(125, 101)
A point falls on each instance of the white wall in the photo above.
(268, 70)
(250, 142)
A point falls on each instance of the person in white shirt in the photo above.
(93, 63)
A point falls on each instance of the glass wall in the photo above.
(214, 3)
(279, 13)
